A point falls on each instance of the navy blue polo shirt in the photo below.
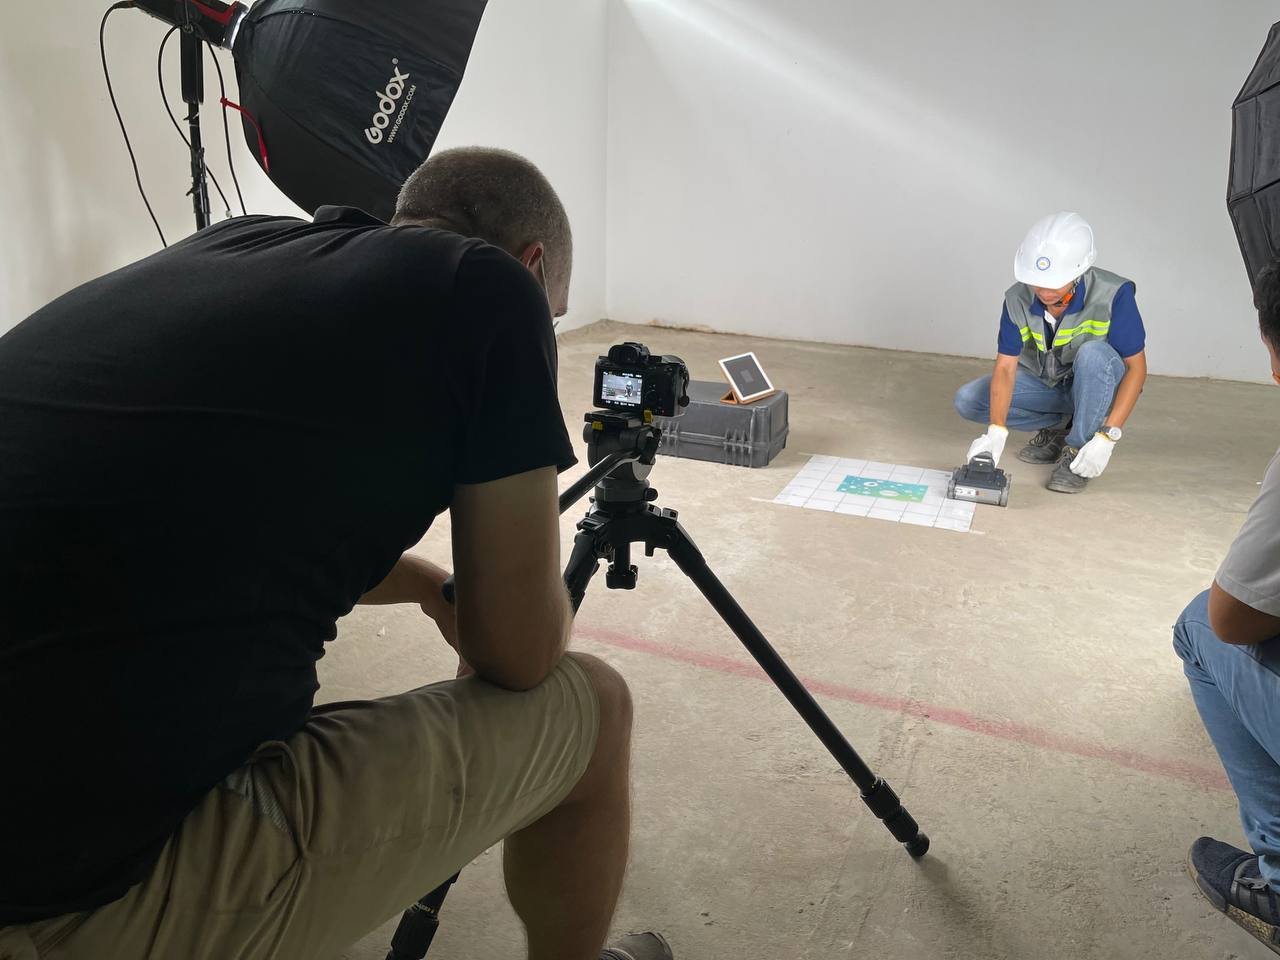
(1127, 335)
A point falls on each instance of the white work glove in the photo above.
(991, 442)
(1093, 457)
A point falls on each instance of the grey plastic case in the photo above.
(744, 435)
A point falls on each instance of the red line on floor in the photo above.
(1209, 778)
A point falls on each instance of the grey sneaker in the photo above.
(1230, 880)
(638, 946)
(1044, 446)
(1063, 480)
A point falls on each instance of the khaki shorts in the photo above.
(317, 841)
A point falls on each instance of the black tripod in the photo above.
(621, 450)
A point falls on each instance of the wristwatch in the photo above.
(1111, 433)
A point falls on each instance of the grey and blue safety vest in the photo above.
(1051, 362)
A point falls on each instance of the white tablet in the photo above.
(746, 377)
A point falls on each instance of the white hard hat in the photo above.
(1057, 249)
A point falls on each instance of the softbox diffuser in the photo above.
(343, 98)
(1253, 190)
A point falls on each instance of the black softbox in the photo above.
(1253, 190)
(343, 99)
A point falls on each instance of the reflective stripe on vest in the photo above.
(1095, 328)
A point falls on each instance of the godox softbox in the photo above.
(1253, 190)
(341, 99)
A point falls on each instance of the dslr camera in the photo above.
(631, 380)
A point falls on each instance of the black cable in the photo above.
(226, 131)
(102, 49)
(174, 120)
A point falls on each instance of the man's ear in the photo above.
(531, 256)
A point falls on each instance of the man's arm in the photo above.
(1238, 623)
(1129, 390)
(1002, 380)
(415, 580)
(513, 611)
(411, 580)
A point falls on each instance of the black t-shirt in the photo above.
(206, 458)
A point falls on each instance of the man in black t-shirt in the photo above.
(207, 458)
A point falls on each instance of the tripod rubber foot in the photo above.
(919, 846)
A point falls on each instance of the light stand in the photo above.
(192, 48)
(212, 22)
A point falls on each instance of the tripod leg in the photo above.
(418, 925)
(876, 793)
(582, 566)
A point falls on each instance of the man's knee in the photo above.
(613, 696)
(1096, 356)
(1192, 626)
(973, 400)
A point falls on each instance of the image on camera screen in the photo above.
(621, 388)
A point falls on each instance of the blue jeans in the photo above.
(1087, 396)
(1237, 691)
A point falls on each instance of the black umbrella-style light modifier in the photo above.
(341, 99)
(1253, 190)
(348, 97)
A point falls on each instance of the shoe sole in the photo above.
(1261, 931)
(1061, 488)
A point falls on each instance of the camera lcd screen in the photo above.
(621, 388)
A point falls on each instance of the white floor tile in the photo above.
(858, 500)
(853, 509)
(906, 474)
(922, 509)
(894, 510)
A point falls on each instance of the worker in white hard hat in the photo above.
(1071, 361)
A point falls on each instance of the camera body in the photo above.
(631, 380)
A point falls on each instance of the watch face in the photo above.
(1113, 433)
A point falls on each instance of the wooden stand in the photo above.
(732, 398)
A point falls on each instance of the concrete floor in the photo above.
(1039, 729)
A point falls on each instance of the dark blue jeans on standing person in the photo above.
(1086, 396)
(1237, 691)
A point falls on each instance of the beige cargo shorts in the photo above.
(319, 840)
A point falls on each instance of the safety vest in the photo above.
(1051, 362)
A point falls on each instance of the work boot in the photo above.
(1045, 445)
(1063, 479)
(638, 946)
(1230, 880)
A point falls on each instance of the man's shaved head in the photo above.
(495, 195)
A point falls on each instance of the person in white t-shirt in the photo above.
(1229, 642)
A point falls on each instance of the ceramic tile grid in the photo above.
(888, 491)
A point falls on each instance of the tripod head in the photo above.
(635, 438)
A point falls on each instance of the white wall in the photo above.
(862, 172)
(537, 84)
(833, 170)
(69, 210)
